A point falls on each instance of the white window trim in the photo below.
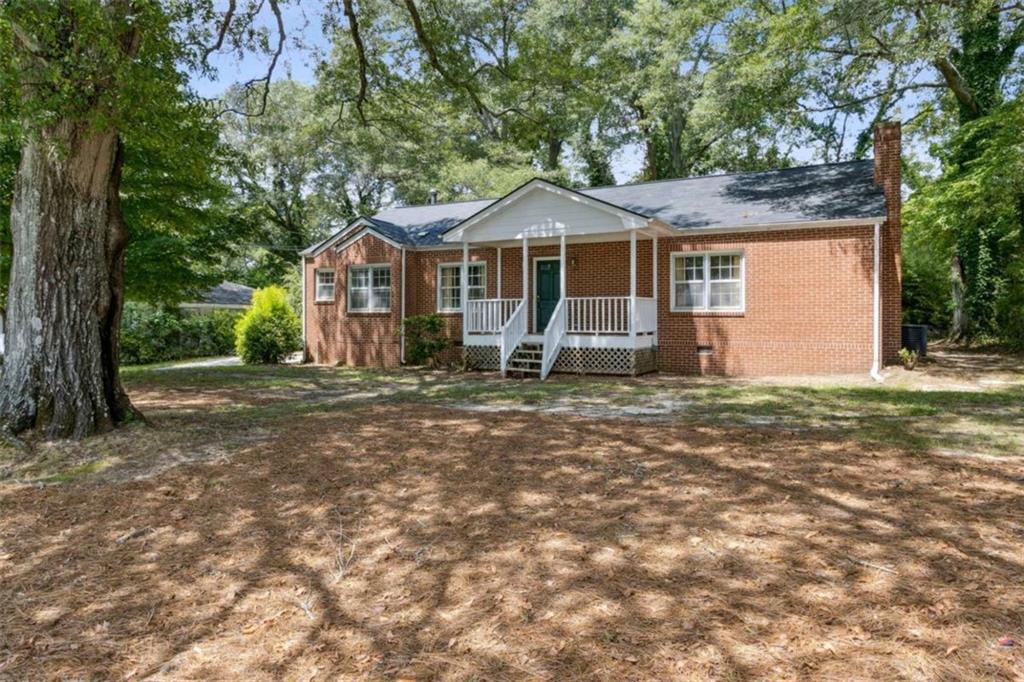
(348, 288)
(316, 286)
(707, 281)
(457, 264)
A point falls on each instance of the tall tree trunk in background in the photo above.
(974, 75)
(960, 330)
(64, 309)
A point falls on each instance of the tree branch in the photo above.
(873, 96)
(265, 79)
(357, 40)
(222, 33)
(955, 82)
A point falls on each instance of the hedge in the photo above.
(151, 334)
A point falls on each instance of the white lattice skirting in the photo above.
(620, 361)
(482, 357)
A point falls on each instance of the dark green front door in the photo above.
(548, 277)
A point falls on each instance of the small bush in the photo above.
(269, 330)
(151, 334)
(425, 338)
(908, 358)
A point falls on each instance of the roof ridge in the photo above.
(727, 175)
(638, 184)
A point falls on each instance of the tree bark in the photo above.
(60, 375)
(960, 330)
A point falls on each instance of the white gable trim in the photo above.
(340, 234)
(367, 231)
(629, 219)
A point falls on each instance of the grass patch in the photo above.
(989, 421)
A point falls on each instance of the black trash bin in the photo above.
(915, 337)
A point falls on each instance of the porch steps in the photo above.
(526, 359)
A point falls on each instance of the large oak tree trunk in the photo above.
(66, 294)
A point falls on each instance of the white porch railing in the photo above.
(512, 333)
(553, 334)
(611, 315)
(598, 315)
(646, 319)
(489, 315)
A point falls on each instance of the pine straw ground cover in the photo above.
(327, 536)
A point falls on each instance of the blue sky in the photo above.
(307, 45)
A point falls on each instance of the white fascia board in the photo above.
(369, 230)
(317, 249)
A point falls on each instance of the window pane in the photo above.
(381, 277)
(382, 299)
(359, 299)
(360, 277)
(725, 294)
(451, 298)
(476, 275)
(693, 295)
(725, 267)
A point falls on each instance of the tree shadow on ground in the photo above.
(421, 542)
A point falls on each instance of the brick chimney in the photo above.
(888, 174)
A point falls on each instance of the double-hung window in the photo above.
(449, 285)
(325, 285)
(369, 288)
(707, 281)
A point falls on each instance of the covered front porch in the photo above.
(565, 309)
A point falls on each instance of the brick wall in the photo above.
(333, 334)
(807, 310)
(808, 303)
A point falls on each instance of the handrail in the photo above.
(489, 315)
(553, 334)
(512, 333)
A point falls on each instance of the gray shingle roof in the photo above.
(227, 293)
(839, 191)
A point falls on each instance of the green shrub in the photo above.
(269, 330)
(151, 334)
(425, 338)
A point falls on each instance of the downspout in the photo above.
(302, 276)
(401, 322)
(876, 312)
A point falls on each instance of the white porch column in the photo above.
(526, 271)
(632, 283)
(561, 268)
(464, 289)
(499, 273)
(654, 270)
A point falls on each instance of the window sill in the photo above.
(367, 312)
(324, 301)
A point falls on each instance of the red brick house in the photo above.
(788, 271)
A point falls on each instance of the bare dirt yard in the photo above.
(318, 524)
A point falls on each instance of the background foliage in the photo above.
(159, 334)
(473, 97)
